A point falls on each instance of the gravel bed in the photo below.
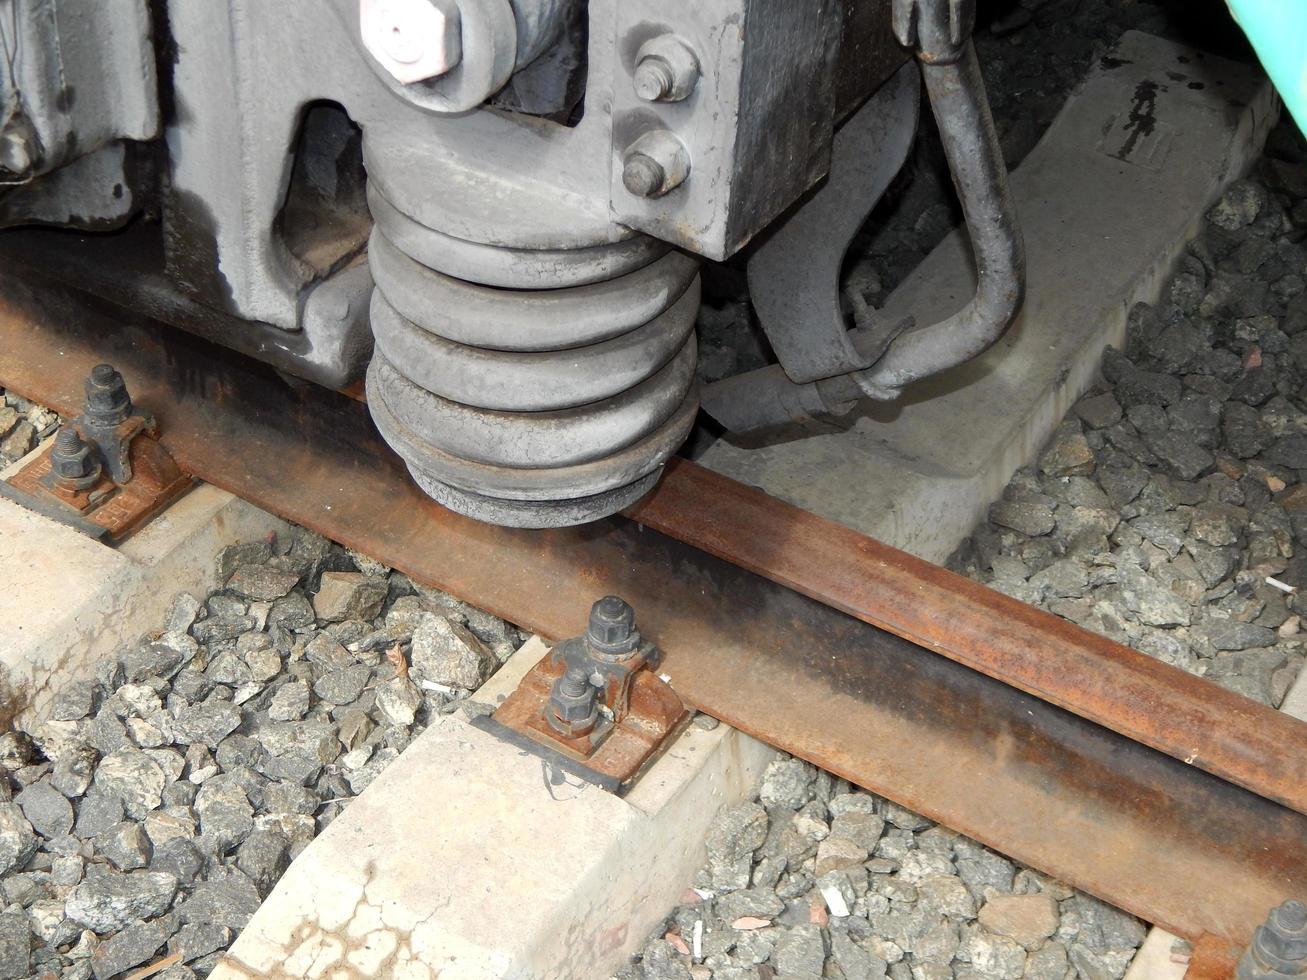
(159, 804)
(815, 879)
(1177, 487)
(23, 426)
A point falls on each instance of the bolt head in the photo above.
(653, 78)
(666, 69)
(1285, 932)
(642, 175)
(413, 40)
(655, 164)
(107, 399)
(612, 626)
(70, 458)
(573, 716)
(1291, 916)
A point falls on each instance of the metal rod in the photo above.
(957, 98)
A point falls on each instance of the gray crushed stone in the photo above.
(1192, 499)
(922, 902)
(162, 800)
(23, 426)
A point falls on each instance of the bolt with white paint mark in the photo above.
(413, 40)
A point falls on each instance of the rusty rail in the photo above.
(1059, 662)
(1026, 760)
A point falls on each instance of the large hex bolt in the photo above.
(666, 69)
(1279, 946)
(611, 630)
(108, 405)
(413, 40)
(574, 703)
(655, 163)
(107, 400)
(71, 461)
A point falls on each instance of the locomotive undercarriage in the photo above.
(493, 212)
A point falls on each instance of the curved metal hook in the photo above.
(957, 97)
(940, 30)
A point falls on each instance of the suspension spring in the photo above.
(530, 387)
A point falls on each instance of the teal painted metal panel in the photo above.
(1278, 32)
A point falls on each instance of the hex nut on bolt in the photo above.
(413, 40)
(107, 400)
(1279, 946)
(611, 629)
(666, 69)
(72, 462)
(655, 163)
(574, 703)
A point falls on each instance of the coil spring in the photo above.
(533, 388)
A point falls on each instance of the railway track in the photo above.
(1152, 789)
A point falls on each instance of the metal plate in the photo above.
(654, 715)
(155, 484)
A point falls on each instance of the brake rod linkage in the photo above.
(897, 353)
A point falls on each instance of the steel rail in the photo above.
(1001, 760)
(1147, 700)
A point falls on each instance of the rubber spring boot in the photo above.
(530, 388)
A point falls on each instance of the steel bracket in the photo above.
(121, 474)
(632, 711)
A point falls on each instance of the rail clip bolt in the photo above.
(71, 460)
(612, 626)
(107, 400)
(1279, 946)
(574, 703)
